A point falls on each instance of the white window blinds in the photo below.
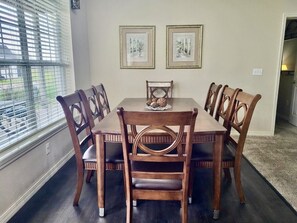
(34, 65)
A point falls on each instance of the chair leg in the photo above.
(227, 174)
(238, 185)
(79, 185)
(191, 184)
(184, 210)
(129, 210)
(90, 173)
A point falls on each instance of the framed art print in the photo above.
(137, 47)
(184, 46)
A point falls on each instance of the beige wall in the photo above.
(80, 47)
(238, 36)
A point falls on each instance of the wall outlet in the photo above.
(47, 148)
(257, 71)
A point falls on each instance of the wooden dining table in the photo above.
(207, 130)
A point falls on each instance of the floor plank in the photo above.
(53, 203)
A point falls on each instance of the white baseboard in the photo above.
(260, 133)
(18, 204)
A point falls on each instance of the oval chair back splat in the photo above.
(157, 89)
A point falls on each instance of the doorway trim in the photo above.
(286, 16)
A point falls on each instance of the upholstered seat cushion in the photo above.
(204, 152)
(157, 184)
(114, 153)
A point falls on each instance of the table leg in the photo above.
(217, 174)
(100, 151)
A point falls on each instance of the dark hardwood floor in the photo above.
(53, 203)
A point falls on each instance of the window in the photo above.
(35, 54)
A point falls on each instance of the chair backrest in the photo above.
(79, 122)
(211, 98)
(159, 89)
(140, 124)
(240, 118)
(102, 99)
(89, 97)
(225, 103)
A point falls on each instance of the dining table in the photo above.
(207, 130)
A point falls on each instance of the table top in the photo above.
(205, 124)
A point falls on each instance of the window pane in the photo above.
(34, 66)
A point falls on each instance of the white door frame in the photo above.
(284, 21)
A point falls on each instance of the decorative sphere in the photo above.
(162, 102)
(154, 104)
(154, 99)
(148, 102)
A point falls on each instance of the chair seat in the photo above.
(157, 184)
(114, 153)
(204, 152)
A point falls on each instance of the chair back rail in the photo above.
(225, 106)
(102, 99)
(157, 89)
(211, 98)
(89, 97)
(241, 116)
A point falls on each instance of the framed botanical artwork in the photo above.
(75, 4)
(184, 46)
(137, 47)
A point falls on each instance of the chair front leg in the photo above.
(237, 178)
(79, 184)
(90, 173)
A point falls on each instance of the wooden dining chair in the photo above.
(224, 107)
(102, 99)
(80, 122)
(90, 96)
(80, 125)
(154, 173)
(238, 118)
(211, 98)
(159, 89)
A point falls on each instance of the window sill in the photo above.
(16, 151)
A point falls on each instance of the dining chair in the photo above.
(79, 125)
(224, 107)
(237, 121)
(80, 122)
(158, 89)
(211, 98)
(90, 96)
(154, 173)
(102, 99)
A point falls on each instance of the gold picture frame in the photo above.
(184, 46)
(137, 47)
